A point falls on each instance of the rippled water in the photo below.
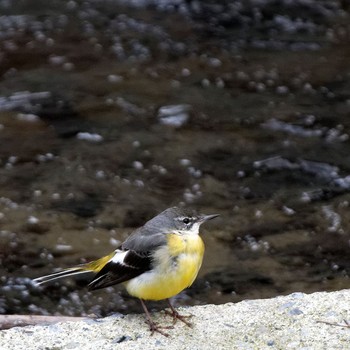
(110, 112)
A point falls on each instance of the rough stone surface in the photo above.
(286, 322)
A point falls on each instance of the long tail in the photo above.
(62, 274)
(92, 267)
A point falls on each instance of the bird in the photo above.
(156, 262)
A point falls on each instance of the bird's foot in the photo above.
(155, 327)
(176, 316)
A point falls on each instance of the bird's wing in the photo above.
(131, 260)
(122, 267)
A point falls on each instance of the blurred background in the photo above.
(113, 110)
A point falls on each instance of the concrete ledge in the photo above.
(288, 322)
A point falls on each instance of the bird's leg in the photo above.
(153, 327)
(176, 316)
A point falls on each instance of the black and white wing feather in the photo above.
(131, 260)
(124, 266)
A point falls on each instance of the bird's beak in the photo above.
(208, 217)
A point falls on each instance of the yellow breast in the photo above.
(175, 267)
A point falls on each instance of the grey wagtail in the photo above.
(157, 261)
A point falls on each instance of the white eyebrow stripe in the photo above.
(180, 218)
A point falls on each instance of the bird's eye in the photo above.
(186, 221)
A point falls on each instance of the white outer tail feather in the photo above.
(58, 275)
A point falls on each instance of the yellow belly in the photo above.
(175, 268)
